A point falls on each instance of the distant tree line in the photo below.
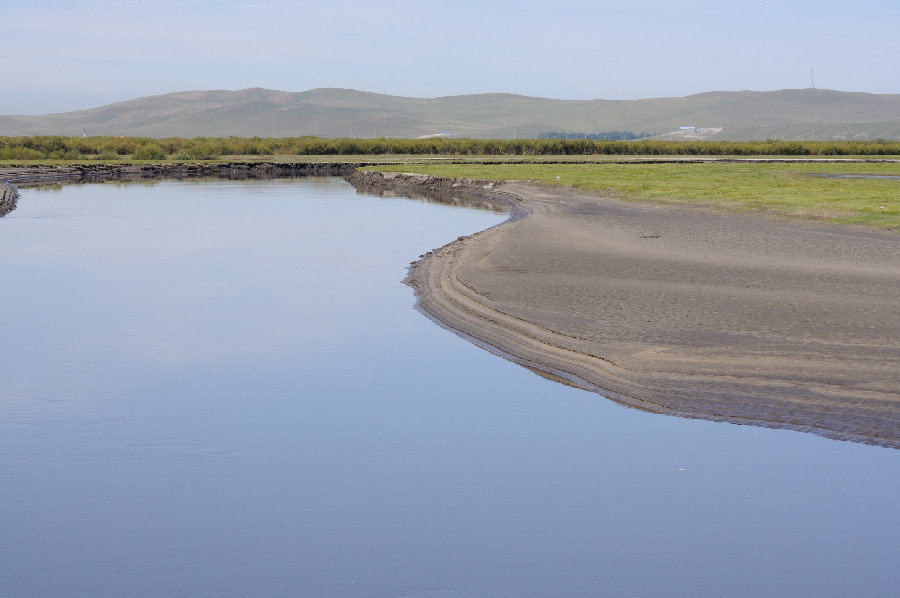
(212, 148)
(601, 136)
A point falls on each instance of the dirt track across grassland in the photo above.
(741, 318)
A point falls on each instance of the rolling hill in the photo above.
(784, 114)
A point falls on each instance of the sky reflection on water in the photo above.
(222, 389)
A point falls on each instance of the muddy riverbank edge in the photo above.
(25, 176)
(12, 177)
(739, 318)
(9, 195)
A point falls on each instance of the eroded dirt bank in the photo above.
(8, 197)
(26, 176)
(740, 318)
(12, 177)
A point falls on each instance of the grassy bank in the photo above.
(784, 189)
(215, 148)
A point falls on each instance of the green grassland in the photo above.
(182, 149)
(807, 190)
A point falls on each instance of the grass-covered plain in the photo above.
(182, 149)
(790, 189)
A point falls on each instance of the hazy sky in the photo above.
(70, 54)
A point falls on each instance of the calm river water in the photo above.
(222, 389)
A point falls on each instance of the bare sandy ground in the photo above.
(741, 318)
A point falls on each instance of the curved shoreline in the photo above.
(740, 318)
(737, 318)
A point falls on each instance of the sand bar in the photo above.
(742, 318)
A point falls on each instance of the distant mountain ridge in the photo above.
(784, 114)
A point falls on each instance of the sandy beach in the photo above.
(742, 318)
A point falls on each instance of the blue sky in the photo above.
(57, 56)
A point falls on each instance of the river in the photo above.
(221, 388)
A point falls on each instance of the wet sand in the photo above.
(742, 318)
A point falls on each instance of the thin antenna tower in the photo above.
(812, 77)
